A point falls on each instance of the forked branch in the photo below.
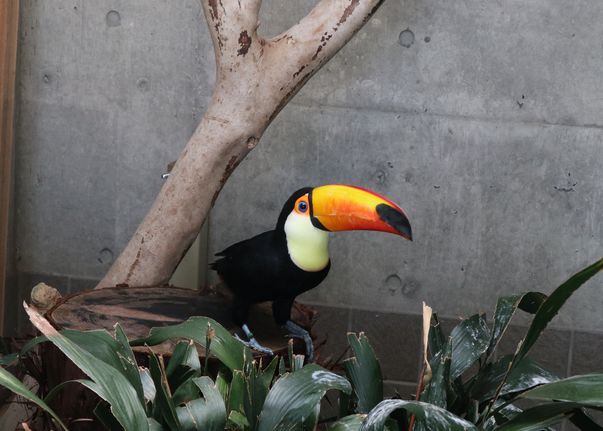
(256, 78)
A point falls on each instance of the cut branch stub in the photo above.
(256, 78)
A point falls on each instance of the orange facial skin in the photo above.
(302, 205)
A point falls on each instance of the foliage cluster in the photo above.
(464, 387)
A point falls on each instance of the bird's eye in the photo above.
(302, 206)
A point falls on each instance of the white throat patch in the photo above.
(308, 246)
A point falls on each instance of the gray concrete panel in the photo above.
(529, 61)
(110, 91)
(483, 120)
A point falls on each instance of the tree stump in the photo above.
(137, 310)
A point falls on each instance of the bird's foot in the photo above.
(254, 345)
(297, 331)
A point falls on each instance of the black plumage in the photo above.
(259, 269)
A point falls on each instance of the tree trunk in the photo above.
(256, 78)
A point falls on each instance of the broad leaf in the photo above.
(364, 372)
(539, 417)
(224, 346)
(294, 398)
(506, 307)
(164, 409)
(348, 423)
(15, 385)
(204, 414)
(115, 352)
(237, 421)
(437, 340)
(503, 413)
(551, 306)
(183, 364)
(526, 374)
(586, 390)
(187, 391)
(257, 387)
(148, 387)
(9, 359)
(434, 418)
(236, 397)
(584, 422)
(470, 339)
(435, 391)
(109, 383)
(223, 385)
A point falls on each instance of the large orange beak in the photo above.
(341, 207)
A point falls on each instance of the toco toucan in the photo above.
(280, 264)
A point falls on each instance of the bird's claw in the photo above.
(296, 331)
(254, 345)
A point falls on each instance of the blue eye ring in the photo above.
(302, 206)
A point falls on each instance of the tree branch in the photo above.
(255, 80)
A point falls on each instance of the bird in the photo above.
(280, 264)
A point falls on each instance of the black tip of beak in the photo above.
(395, 219)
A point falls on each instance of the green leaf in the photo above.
(117, 354)
(9, 359)
(583, 421)
(364, 372)
(183, 364)
(222, 385)
(15, 385)
(551, 306)
(237, 420)
(586, 390)
(282, 369)
(236, 395)
(102, 411)
(470, 339)
(207, 413)
(436, 390)
(148, 387)
(526, 374)
(294, 398)
(224, 346)
(258, 385)
(164, 409)
(298, 362)
(436, 339)
(154, 425)
(186, 392)
(506, 307)
(503, 413)
(434, 418)
(348, 423)
(539, 417)
(109, 383)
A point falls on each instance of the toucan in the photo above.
(280, 264)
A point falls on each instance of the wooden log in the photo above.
(138, 310)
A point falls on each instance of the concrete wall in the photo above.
(482, 119)
(109, 93)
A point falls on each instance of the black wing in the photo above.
(260, 269)
(255, 268)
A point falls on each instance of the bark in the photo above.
(255, 79)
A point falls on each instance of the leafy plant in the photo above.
(244, 395)
(465, 387)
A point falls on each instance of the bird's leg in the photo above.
(252, 343)
(240, 313)
(297, 331)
